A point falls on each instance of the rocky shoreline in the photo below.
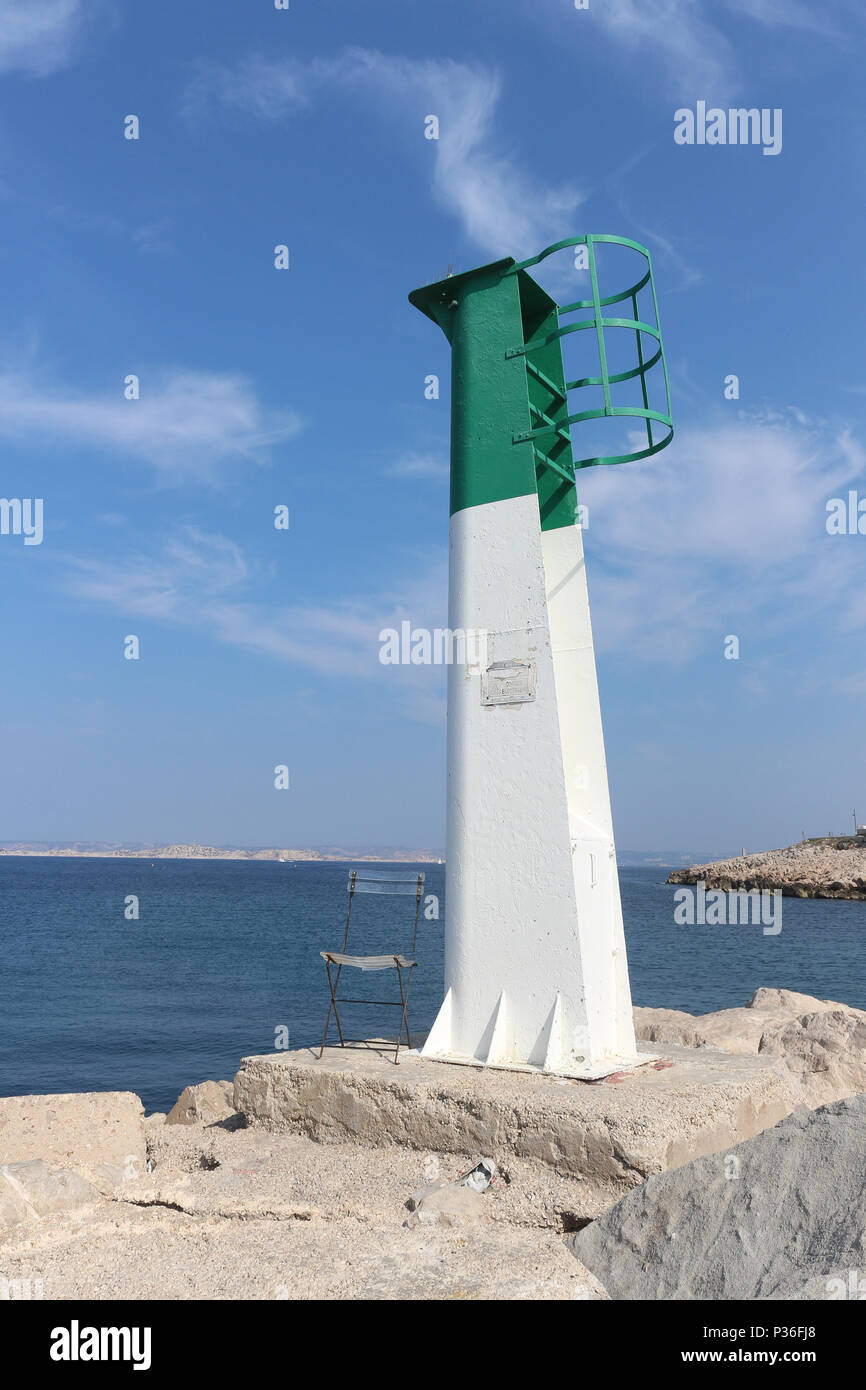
(228, 1198)
(829, 868)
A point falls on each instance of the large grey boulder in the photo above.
(779, 1212)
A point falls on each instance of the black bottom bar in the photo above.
(641, 1338)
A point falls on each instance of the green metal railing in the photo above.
(560, 427)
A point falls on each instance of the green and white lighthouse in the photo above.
(536, 975)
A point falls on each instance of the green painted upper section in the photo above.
(510, 420)
(485, 313)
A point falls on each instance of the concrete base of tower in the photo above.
(594, 1072)
(554, 1052)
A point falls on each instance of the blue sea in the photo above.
(226, 952)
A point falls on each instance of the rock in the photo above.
(667, 1026)
(825, 1052)
(498, 1264)
(831, 868)
(819, 1043)
(79, 1131)
(446, 1204)
(780, 1211)
(788, 1001)
(207, 1103)
(417, 1198)
(13, 1206)
(108, 1177)
(735, 1030)
(741, 1030)
(31, 1190)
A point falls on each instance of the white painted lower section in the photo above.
(608, 995)
(535, 968)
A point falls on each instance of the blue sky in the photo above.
(306, 387)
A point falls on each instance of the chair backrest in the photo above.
(390, 882)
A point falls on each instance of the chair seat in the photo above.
(367, 962)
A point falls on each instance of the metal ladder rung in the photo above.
(551, 463)
(561, 430)
(545, 380)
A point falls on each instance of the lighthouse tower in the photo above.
(536, 976)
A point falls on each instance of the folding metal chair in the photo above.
(374, 881)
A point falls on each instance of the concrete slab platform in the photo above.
(615, 1132)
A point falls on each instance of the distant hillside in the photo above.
(394, 854)
(100, 849)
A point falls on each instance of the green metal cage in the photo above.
(549, 411)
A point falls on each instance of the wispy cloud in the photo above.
(831, 18)
(725, 527)
(696, 45)
(194, 569)
(852, 685)
(204, 581)
(726, 524)
(681, 34)
(667, 247)
(38, 36)
(410, 465)
(500, 207)
(152, 236)
(186, 424)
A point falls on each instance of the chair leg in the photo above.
(328, 1019)
(404, 1024)
(334, 988)
(332, 1007)
(406, 1007)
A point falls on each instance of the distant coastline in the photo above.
(327, 854)
(330, 854)
(97, 850)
